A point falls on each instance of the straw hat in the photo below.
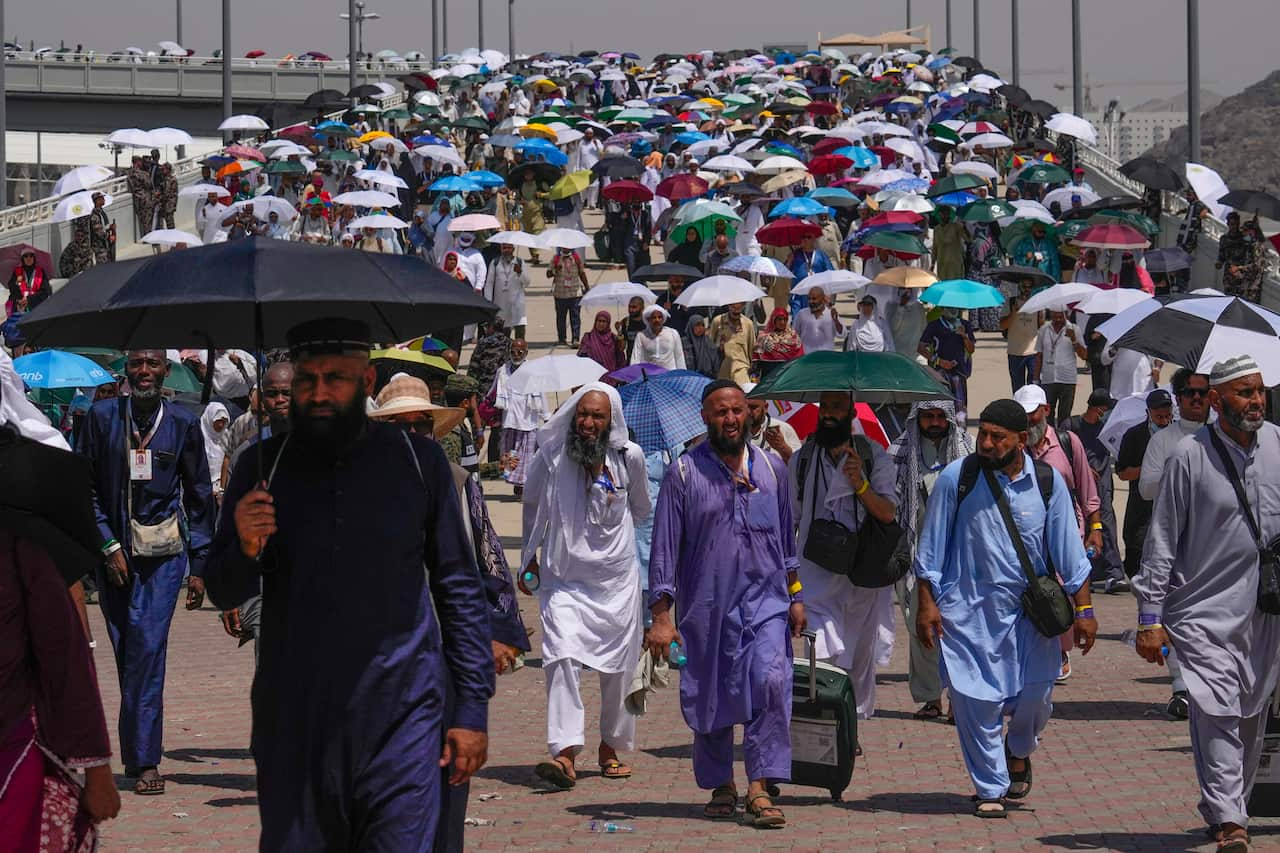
(404, 394)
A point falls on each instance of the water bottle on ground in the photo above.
(1130, 637)
(601, 826)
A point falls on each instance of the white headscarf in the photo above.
(215, 447)
(555, 432)
(20, 413)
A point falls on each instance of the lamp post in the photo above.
(435, 31)
(908, 14)
(356, 16)
(1193, 80)
(977, 32)
(480, 24)
(444, 26)
(226, 63)
(1077, 71)
(178, 34)
(948, 44)
(511, 29)
(1013, 45)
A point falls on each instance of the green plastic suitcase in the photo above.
(824, 725)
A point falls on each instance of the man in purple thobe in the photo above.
(724, 552)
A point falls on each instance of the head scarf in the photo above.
(705, 354)
(600, 346)
(649, 312)
(906, 453)
(773, 345)
(214, 442)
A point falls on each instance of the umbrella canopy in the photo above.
(1199, 331)
(563, 238)
(514, 238)
(75, 206)
(1257, 202)
(555, 373)
(664, 411)
(957, 183)
(57, 369)
(474, 222)
(636, 372)
(717, 290)
(1112, 236)
(962, 293)
(1073, 125)
(249, 293)
(627, 192)
(987, 210)
(377, 220)
(618, 166)
(81, 178)
(904, 276)
(1039, 278)
(900, 243)
(756, 265)
(244, 122)
(664, 271)
(831, 281)
(1043, 173)
(1167, 260)
(873, 377)
(618, 293)
(171, 237)
(680, 187)
(543, 173)
(367, 198)
(1112, 301)
(1152, 173)
(787, 231)
(571, 184)
(11, 256)
(1058, 297)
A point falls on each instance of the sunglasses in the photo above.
(1194, 392)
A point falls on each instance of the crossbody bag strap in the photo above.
(1234, 476)
(1009, 523)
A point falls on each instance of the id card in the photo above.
(139, 465)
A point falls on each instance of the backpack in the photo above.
(969, 471)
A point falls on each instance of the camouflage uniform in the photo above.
(168, 197)
(139, 183)
(1241, 259)
(100, 236)
(77, 256)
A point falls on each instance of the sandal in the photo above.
(763, 817)
(556, 773)
(929, 711)
(1019, 780)
(1236, 841)
(723, 804)
(999, 810)
(614, 769)
(149, 787)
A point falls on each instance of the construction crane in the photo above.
(1089, 86)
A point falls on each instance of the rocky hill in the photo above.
(1237, 138)
(1178, 103)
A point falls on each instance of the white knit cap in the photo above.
(1233, 368)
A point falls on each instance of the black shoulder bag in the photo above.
(1268, 552)
(1044, 601)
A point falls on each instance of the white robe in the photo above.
(519, 411)
(505, 288)
(665, 349)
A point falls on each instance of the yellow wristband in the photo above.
(1151, 627)
(1097, 525)
(794, 588)
(1083, 607)
(866, 484)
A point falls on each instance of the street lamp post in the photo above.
(1013, 23)
(977, 31)
(178, 39)
(356, 16)
(444, 26)
(908, 14)
(1193, 80)
(1077, 71)
(511, 29)
(435, 31)
(226, 62)
(480, 24)
(948, 44)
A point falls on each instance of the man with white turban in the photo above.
(657, 343)
(586, 487)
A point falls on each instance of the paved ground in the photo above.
(1113, 773)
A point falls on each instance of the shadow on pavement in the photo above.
(228, 802)
(931, 802)
(230, 781)
(683, 751)
(614, 811)
(1107, 710)
(1184, 841)
(198, 755)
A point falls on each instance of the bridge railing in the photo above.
(89, 57)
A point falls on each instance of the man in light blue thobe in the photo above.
(1197, 590)
(723, 550)
(994, 660)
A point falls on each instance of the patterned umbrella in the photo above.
(664, 411)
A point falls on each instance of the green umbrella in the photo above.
(338, 154)
(956, 183)
(285, 167)
(102, 356)
(472, 123)
(1019, 229)
(398, 113)
(896, 241)
(740, 100)
(180, 379)
(1071, 229)
(1126, 217)
(873, 377)
(703, 215)
(941, 131)
(635, 116)
(986, 210)
(607, 113)
(1044, 173)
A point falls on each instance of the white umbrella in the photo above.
(381, 178)
(389, 142)
(377, 220)
(131, 137)
(1209, 187)
(266, 204)
(80, 178)
(1073, 125)
(278, 149)
(243, 122)
(366, 108)
(514, 238)
(905, 201)
(568, 135)
(367, 198)
(171, 237)
(778, 164)
(832, 281)
(1112, 301)
(202, 190)
(474, 222)
(170, 136)
(563, 238)
(75, 206)
(1062, 195)
(1058, 297)
(906, 147)
(441, 154)
(719, 290)
(172, 47)
(756, 265)
(555, 373)
(1025, 208)
(990, 140)
(618, 293)
(1126, 413)
(975, 167)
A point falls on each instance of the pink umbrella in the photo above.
(244, 152)
(1111, 236)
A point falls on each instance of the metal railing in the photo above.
(263, 63)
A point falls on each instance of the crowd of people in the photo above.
(810, 176)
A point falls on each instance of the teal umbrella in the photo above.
(962, 293)
(873, 377)
(987, 210)
(1043, 173)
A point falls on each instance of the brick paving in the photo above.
(1113, 773)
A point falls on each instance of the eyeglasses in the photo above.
(1194, 392)
(424, 426)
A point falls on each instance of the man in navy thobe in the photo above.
(372, 611)
(149, 467)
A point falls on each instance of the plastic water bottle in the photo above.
(1130, 636)
(677, 655)
(601, 826)
(1091, 552)
(531, 580)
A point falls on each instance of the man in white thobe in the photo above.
(589, 151)
(505, 287)
(586, 488)
(867, 332)
(1198, 590)
(906, 318)
(835, 486)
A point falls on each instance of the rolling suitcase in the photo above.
(824, 725)
(1265, 799)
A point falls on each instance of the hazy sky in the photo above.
(1133, 49)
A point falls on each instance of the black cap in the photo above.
(719, 385)
(1101, 397)
(1159, 399)
(1008, 414)
(329, 336)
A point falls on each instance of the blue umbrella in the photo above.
(863, 158)
(691, 136)
(938, 62)
(541, 149)
(664, 411)
(431, 140)
(901, 107)
(784, 148)
(907, 185)
(485, 178)
(833, 196)
(962, 293)
(802, 206)
(56, 369)
(454, 184)
(956, 199)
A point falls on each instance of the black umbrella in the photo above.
(1017, 273)
(1167, 260)
(325, 98)
(966, 62)
(1257, 202)
(1034, 143)
(782, 108)
(364, 90)
(249, 293)
(1111, 202)
(1150, 172)
(663, 271)
(617, 166)
(1015, 95)
(543, 173)
(742, 189)
(1036, 106)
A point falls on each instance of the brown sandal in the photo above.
(614, 769)
(763, 817)
(723, 804)
(152, 787)
(557, 773)
(1235, 842)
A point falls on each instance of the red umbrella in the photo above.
(244, 152)
(300, 133)
(821, 108)
(1111, 236)
(829, 164)
(680, 187)
(254, 54)
(893, 217)
(803, 418)
(627, 192)
(851, 184)
(887, 155)
(11, 256)
(870, 251)
(826, 146)
(787, 231)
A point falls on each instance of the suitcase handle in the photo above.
(811, 645)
